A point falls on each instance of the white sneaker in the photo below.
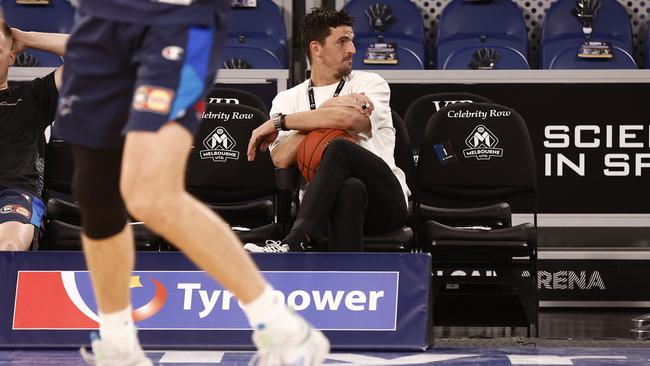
(274, 349)
(102, 356)
(272, 246)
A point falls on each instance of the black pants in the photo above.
(353, 192)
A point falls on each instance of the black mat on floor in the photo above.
(480, 342)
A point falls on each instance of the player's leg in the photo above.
(109, 251)
(159, 138)
(152, 185)
(95, 98)
(15, 236)
(20, 218)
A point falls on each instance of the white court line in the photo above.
(202, 357)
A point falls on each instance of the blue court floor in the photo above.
(434, 357)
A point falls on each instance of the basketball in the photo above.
(312, 147)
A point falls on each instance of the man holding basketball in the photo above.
(358, 188)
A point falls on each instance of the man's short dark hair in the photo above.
(6, 31)
(316, 25)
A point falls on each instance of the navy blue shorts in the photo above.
(121, 77)
(21, 206)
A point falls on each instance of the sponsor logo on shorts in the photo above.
(10, 209)
(220, 146)
(153, 99)
(173, 53)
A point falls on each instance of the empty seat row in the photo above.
(390, 34)
(496, 38)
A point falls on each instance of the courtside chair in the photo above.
(465, 27)
(62, 229)
(55, 17)
(467, 163)
(562, 37)
(389, 21)
(400, 240)
(244, 193)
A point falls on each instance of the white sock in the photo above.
(117, 329)
(270, 315)
(264, 309)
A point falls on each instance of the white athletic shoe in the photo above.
(102, 355)
(272, 246)
(274, 349)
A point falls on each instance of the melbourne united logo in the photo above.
(482, 144)
(219, 146)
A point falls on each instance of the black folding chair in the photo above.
(62, 216)
(476, 161)
(244, 193)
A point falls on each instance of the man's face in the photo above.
(7, 57)
(338, 49)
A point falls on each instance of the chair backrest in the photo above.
(469, 58)
(59, 166)
(235, 96)
(55, 17)
(612, 23)
(402, 153)
(264, 21)
(567, 59)
(247, 56)
(477, 153)
(218, 170)
(411, 55)
(495, 18)
(405, 18)
(420, 111)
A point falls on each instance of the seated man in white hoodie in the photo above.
(357, 189)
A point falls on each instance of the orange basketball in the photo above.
(312, 146)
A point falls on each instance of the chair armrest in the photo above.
(496, 215)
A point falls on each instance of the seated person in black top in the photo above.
(26, 109)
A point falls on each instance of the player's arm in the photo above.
(50, 42)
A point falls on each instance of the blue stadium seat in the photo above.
(568, 59)
(255, 57)
(405, 29)
(509, 58)
(259, 36)
(467, 26)
(562, 36)
(411, 54)
(55, 17)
